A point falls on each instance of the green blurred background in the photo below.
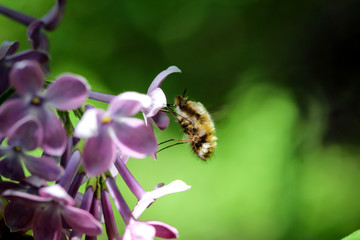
(281, 79)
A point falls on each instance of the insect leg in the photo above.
(170, 146)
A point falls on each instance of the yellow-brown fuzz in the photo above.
(198, 125)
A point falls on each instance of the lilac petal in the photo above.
(88, 126)
(47, 224)
(133, 137)
(82, 221)
(35, 55)
(8, 48)
(56, 192)
(26, 198)
(161, 77)
(140, 207)
(13, 211)
(10, 167)
(99, 153)
(173, 187)
(37, 39)
(35, 181)
(68, 92)
(54, 142)
(149, 197)
(139, 231)
(151, 129)
(158, 101)
(26, 133)
(128, 104)
(27, 77)
(44, 167)
(11, 112)
(164, 230)
(54, 16)
(161, 120)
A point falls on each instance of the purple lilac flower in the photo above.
(36, 37)
(23, 137)
(8, 58)
(152, 115)
(115, 128)
(145, 199)
(30, 185)
(66, 93)
(158, 100)
(29, 122)
(53, 205)
(49, 21)
(138, 230)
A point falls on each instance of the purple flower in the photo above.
(115, 128)
(158, 100)
(148, 230)
(44, 213)
(66, 93)
(23, 137)
(36, 37)
(138, 230)
(145, 199)
(159, 191)
(8, 58)
(49, 21)
(151, 113)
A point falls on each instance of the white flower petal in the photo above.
(56, 192)
(173, 187)
(88, 125)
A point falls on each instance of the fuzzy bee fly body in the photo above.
(198, 125)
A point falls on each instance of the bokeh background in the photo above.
(281, 79)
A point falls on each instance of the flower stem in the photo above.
(5, 95)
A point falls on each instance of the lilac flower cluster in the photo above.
(41, 193)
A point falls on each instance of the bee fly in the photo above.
(196, 122)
